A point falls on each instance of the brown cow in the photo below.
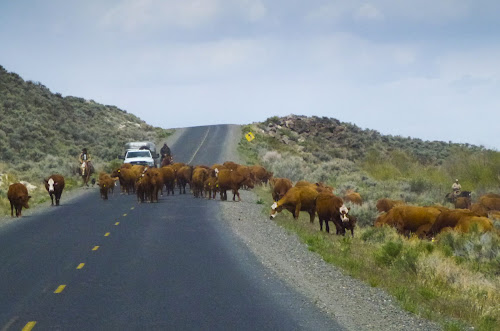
(490, 203)
(127, 178)
(200, 175)
(353, 197)
(260, 174)
(106, 184)
(462, 203)
(280, 186)
(460, 220)
(168, 174)
(407, 219)
(230, 165)
(184, 175)
(211, 187)
(295, 200)
(55, 186)
(231, 180)
(153, 183)
(18, 197)
(320, 187)
(328, 209)
(384, 205)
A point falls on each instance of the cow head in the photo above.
(275, 209)
(344, 211)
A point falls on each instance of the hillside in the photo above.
(375, 165)
(43, 132)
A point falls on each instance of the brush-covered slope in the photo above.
(42, 132)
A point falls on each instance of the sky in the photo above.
(427, 69)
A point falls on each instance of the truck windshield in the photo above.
(131, 155)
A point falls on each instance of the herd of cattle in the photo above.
(315, 198)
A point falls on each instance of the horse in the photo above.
(86, 170)
(168, 159)
(450, 197)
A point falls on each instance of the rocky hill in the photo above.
(328, 137)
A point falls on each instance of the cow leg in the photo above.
(51, 198)
(12, 209)
(297, 211)
(312, 213)
(321, 224)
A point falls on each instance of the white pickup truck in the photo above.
(141, 152)
(139, 156)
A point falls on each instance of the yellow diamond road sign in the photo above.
(250, 136)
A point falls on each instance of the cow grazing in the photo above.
(328, 209)
(384, 205)
(407, 219)
(18, 198)
(55, 186)
(460, 220)
(295, 200)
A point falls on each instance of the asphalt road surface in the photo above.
(91, 264)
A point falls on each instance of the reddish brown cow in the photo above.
(153, 183)
(408, 219)
(460, 220)
(231, 180)
(280, 186)
(106, 184)
(384, 205)
(211, 187)
(200, 175)
(328, 209)
(295, 200)
(463, 203)
(260, 174)
(18, 197)
(55, 186)
(184, 175)
(353, 197)
(168, 174)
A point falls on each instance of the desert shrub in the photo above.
(388, 252)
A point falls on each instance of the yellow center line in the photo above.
(107, 234)
(80, 266)
(124, 215)
(29, 326)
(117, 223)
(95, 248)
(60, 289)
(132, 208)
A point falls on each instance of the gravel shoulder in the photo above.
(354, 304)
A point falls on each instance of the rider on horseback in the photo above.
(457, 188)
(84, 161)
(165, 152)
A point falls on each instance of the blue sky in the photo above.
(419, 68)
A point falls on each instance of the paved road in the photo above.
(128, 266)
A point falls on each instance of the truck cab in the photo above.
(139, 156)
(141, 152)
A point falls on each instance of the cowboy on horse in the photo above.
(86, 167)
(166, 157)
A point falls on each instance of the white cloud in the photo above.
(368, 11)
(132, 15)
